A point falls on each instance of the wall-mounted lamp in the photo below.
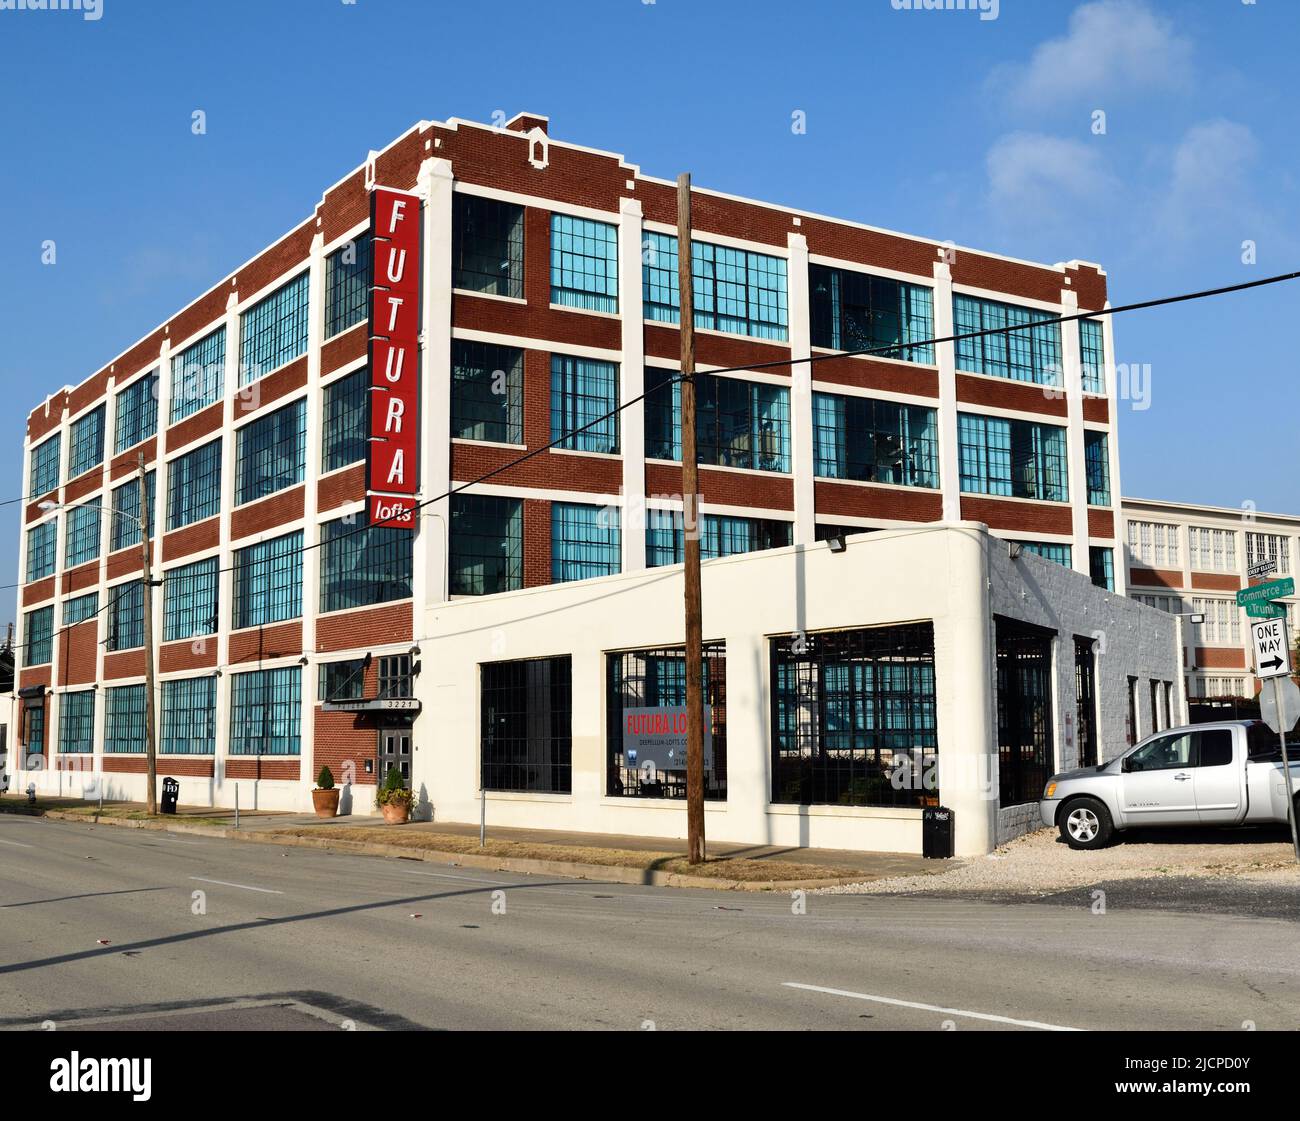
(414, 651)
(1014, 549)
(837, 543)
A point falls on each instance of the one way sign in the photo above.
(1272, 658)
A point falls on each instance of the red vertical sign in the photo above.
(392, 466)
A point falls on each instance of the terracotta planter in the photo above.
(395, 813)
(326, 802)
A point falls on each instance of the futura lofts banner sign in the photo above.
(392, 463)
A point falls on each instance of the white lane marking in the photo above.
(17, 844)
(246, 887)
(930, 1007)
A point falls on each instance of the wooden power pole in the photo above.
(691, 538)
(150, 750)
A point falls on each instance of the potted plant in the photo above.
(325, 798)
(394, 798)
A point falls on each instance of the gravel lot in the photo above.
(1040, 864)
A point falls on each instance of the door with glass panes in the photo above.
(395, 751)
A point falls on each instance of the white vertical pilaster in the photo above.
(801, 406)
(310, 530)
(945, 356)
(226, 581)
(1121, 557)
(631, 384)
(1076, 456)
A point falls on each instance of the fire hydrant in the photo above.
(31, 793)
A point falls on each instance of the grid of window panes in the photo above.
(189, 708)
(737, 423)
(77, 723)
(265, 712)
(345, 423)
(855, 311)
(735, 290)
(1101, 566)
(347, 285)
(1222, 625)
(80, 609)
(268, 582)
(125, 520)
(584, 263)
(526, 731)
(1154, 543)
(1092, 352)
(1032, 353)
(875, 441)
(41, 551)
(273, 331)
(362, 564)
(136, 415)
(1096, 452)
(393, 676)
(34, 721)
(656, 679)
(584, 541)
(271, 453)
(1262, 547)
(190, 600)
(1050, 550)
(341, 681)
(853, 717)
(487, 246)
(1014, 458)
(38, 636)
(45, 467)
(126, 616)
(86, 445)
(198, 374)
(486, 545)
(583, 395)
(124, 720)
(1212, 550)
(721, 535)
(1174, 605)
(487, 392)
(194, 485)
(81, 534)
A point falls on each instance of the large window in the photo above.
(137, 412)
(1154, 543)
(527, 739)
(265, 712)
(583, 394)
(347, 285)
(1029, 354)
(487, 246)
(77, 723)
(584, 263)
(487, 392)
(737, 423)
(1101, 566)
(363, 564)
(80, 609)
(853, 717)
(1092, 353)
(273, 331)
(127, 517)
(874, 441)
(45, 467)
(584, 541)
(190, 600)
(271, 453)
(81, 534)
(86, 447)
(38, 636)
(341, 681)
(189, 710)
(194, 485)
(487, 545)
(41, 553)
(720, 536)
(1265, 547)
(1096, 449)
(735, 290)
(854, 311)
(1014, 458)
(34, 733)
(124, 720)
(198, 374)
(1050, 550)
(268, 582)
(1222, 626)
(1212, 550)
(126, 616)
(345, 425)
(645, 736)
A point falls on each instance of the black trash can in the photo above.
(937, 824)
(170, 793)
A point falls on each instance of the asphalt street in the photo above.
(107, 927)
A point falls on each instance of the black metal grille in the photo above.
(1024, 667)
(487, 246)
(527, 739)
(347, 285)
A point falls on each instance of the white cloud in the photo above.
(1035, 178)
(1209, 190)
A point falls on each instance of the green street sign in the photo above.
(1265, 610)
(1263, 593)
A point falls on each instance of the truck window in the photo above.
(1163, 754)
(1215, 747)
(1261, 743)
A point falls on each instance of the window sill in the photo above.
(1061, 503)
(520, 301)
(614, 315)
(878, 483)
(929, 367)
(337, 611)
(526, 796)
(586, 454)
(713, 332)
(758, 471)
(471, 442)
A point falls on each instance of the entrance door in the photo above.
(1024, 671)
(1086, 700)
(395, 751)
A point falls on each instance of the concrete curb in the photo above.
(607, 873)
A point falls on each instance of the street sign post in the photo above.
(1260, 569)
(1263, 593)
(1273, 660)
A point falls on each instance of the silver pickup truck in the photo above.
(1227, 773)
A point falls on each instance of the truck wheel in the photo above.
(1085, 824)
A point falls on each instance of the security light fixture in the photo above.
(837, 543)
(1013, 550)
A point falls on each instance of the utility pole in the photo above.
(691, 538)
(150, 751)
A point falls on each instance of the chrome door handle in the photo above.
(1181, 778)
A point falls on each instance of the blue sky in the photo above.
(935, 123)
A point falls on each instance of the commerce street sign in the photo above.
(1263, 593)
